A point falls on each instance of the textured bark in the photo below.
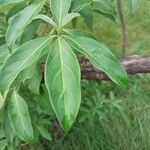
(133, 64)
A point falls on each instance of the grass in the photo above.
(110, 118)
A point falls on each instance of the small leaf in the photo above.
(69, 17)
(100, 57)
(87, 14)
(78, 5)
(80, 33)
(44, 102)
(62, 79)
(20, 118)
(105, 8)
(85, 9)
(59, 9)
(21, 20)
(46, 19)
(23, 57)
(44, 133)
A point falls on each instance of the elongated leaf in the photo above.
(23, 57)
(78, 5)
(20, 118)
(69, 17)
(85, 9)
(5, 3)
(21, 20)
(46, 19)
(105, 7)
(44, 102)
(100, 57)
(87, 14)
(59, 9)
(44, 133)
(80, 33)
(62, 79)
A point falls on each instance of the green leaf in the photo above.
(2, 100)
(5, 3)
(19, 118)
(30, 31)
(62, 79)
(80, 33)
(28, 73)
(3, 144)
(46, 19)
(44, 102)
(8, 131)
(105, 8)
(87, 14)
(35, 81)
(21, 20)
(85, 9)
(100, 57)
(4, 54)
(69, 17)
(59, 9)
(78, 5)
(44, 133)
(23, 57)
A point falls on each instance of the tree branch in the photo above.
(133, 64)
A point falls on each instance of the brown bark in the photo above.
(133, 64)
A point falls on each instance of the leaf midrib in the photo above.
(95, 60)
(28, 58)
